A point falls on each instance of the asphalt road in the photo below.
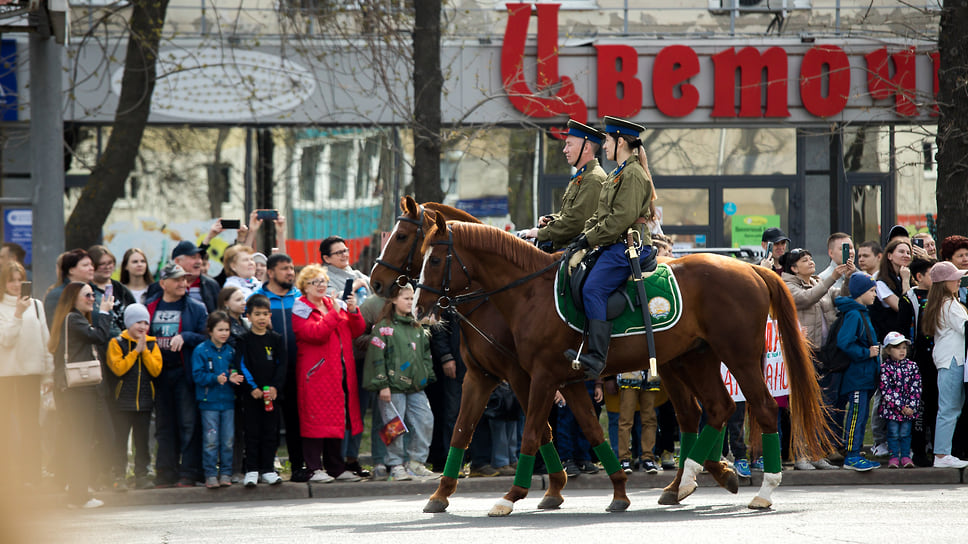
(874, 514)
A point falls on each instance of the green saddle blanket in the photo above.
(665, 303)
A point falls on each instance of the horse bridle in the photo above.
(444, 299)
(405, 278)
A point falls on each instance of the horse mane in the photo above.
(485, 238)
(451, 213)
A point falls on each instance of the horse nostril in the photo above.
(377, 288)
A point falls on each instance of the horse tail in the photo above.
(810, 432)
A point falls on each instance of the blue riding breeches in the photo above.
(611, 271)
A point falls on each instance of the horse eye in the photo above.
(435, 261)
(401, 236)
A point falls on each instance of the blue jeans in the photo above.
(855, 422)
(899, 437)
(570, 441)
(951, 396)
(504, 435)
(610, 272)
(218, 434)
(179, 451)
(414, 409)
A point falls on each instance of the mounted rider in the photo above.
(625, 203)
(556, 230)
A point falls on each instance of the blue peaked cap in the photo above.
(581, 130)
(621, 126)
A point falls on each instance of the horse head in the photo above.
(438, 283)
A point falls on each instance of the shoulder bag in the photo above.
(81, 373)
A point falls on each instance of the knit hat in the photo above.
(894, 338)
(860, 283)
(135, 313)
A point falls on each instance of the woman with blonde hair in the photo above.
(240, 269)
(328, 395)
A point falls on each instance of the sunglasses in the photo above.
(89, 295)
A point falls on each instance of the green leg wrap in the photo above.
(522, 476)
(707, 441)
(455, 458)
(551, 460)
(686, 443)
(607, 457)
(771, 453)
(715, 454)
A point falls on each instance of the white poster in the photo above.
(774, 371)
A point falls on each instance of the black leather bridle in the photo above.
(405, 278)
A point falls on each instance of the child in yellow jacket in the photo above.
(135, 359)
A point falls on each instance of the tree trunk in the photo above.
(106, 182)
(427, 85)
(952, 191)
(265, 147)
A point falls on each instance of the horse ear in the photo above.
(441, 222)
(407, 203)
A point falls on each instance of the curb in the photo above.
(292, 491)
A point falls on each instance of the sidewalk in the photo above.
(421, 490)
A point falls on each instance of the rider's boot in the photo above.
(593, 359)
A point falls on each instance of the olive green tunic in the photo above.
(626, 196)
(577, 205)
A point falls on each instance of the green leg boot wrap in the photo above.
(522, 476)
(686, 443)
(715, 454)
(551, 460)
(455, 458)
(607, 457)
(772, 461)
(708, 438)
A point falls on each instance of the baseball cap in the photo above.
(183, 248)
(259, 258)
(897, 230)
(171, 271)
(946, 271)
(894, 338)
(774, 235)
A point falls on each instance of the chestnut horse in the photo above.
(398, 263)
(725, 307)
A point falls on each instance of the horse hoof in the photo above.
(669, 498)
(686, 489)
(618, 505)
(732, 482)
(435, 506)
(550, 503)
(499, 511)
(759, 503)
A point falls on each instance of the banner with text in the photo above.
(774, 371)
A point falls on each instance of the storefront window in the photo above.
(867, 149)
(721, 152)
(683, 207)
(865, 212)
(748, 211)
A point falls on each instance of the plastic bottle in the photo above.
(265, 397)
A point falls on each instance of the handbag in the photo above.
(81, 373)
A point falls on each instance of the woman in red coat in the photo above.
(328, 397)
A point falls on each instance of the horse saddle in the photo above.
(618, 301)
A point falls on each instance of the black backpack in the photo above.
(830, 357)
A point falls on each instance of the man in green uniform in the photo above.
(555, 231)
(625, 202)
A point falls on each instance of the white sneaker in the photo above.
(347, 476)
(380, 472)
(823, 464)
(949, 461)
(398, 473)
(251, 479)
(92, 503)
(880, 450)
(320, 477)
(271, 478)
(803, 464)
(421, 471)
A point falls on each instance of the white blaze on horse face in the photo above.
(393, 234)
(416, 294)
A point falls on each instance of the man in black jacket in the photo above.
(200, 287)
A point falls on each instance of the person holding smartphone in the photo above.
(25, 373)
(774, 242)
(840, 250)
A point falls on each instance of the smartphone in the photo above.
(267, 215)
(26, 288)
(845, 253)
(231, 223)
(348, 289)
(919, 242)
(769, 250)
(109, 290)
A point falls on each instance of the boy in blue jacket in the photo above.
(857, 339)
(213, 373)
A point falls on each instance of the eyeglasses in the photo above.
(341, 252)
(317, 283)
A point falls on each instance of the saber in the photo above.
(633, 255)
